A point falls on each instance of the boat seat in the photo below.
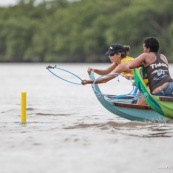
(128, 105)
(166, 98)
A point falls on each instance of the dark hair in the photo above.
(126, 49)
(151, 43)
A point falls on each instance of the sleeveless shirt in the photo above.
(157, 73)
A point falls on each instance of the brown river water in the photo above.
(68, 131)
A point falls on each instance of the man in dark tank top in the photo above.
(156, 67)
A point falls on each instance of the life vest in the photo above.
(127, 58)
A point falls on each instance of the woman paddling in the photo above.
(117, 54)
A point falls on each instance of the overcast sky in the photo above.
(7, 2)
(12, 2)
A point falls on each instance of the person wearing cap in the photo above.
(117, 54)
(156, 68)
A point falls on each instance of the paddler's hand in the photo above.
(84, 82)
(90, 69)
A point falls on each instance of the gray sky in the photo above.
(11, 2)
(7, 2)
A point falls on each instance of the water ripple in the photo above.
(136, 129)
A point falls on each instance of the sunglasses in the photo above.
(112, 54)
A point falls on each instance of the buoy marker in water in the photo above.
(23, 107)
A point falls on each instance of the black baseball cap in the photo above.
(115, 48)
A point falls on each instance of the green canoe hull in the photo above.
(162, 104)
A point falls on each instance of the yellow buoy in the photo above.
(23, 107)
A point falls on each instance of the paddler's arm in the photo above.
(137, 62)
(109, 69)
(101, 80)
(119, 69)
(123, 67)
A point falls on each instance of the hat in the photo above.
(115, 48)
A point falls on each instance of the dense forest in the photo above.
(82, 30)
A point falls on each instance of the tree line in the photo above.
(82, 30)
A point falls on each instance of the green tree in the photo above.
(81, 30)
